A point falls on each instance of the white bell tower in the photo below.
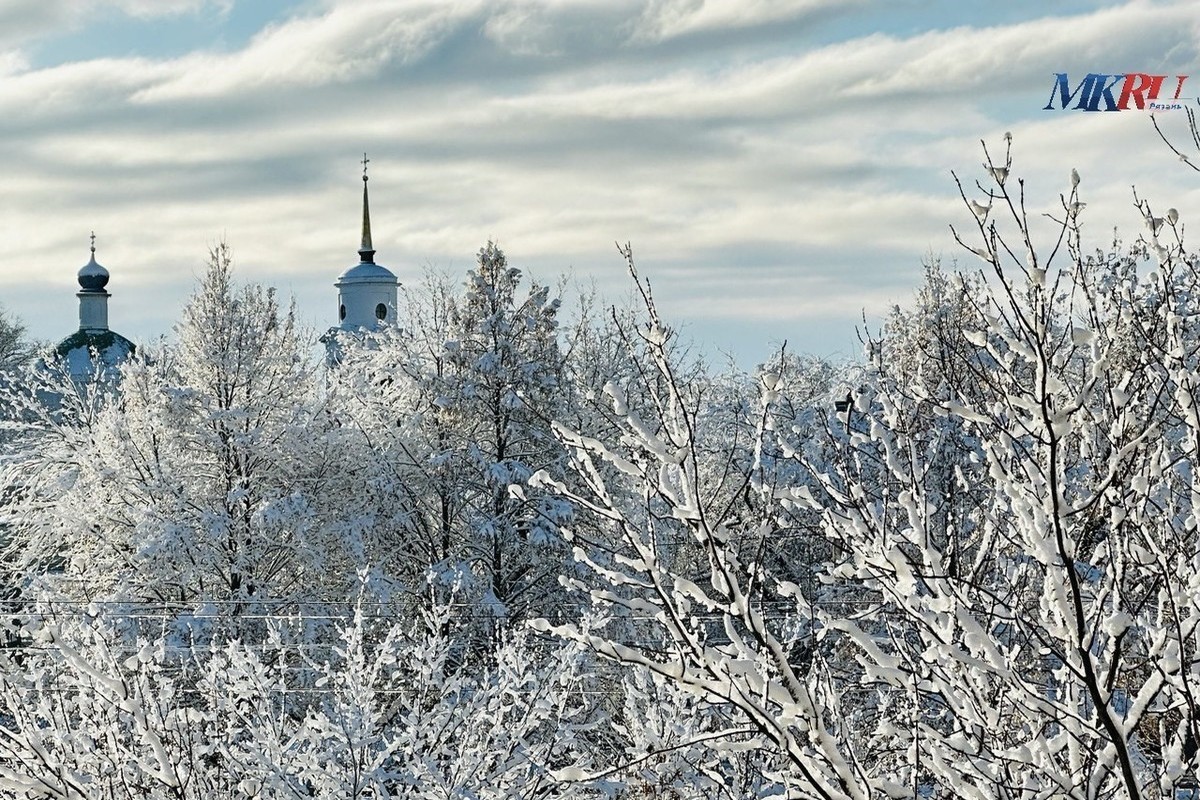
(366, 291)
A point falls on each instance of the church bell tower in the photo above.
(366, 291)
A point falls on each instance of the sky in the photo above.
(782, 168)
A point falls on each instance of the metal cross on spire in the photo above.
(365, 161)
(93, 243)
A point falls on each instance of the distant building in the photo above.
(366, 302)
(94, 339)
(366, 291)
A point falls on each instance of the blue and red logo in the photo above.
(1117, 92)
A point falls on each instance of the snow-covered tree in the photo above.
(209, 476)
(1038, 613)
(965, 567)
(15, 346)
(1007, 498)
(459, 399)
(679, 569)
(382, 710)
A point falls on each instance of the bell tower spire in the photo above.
(366, 251)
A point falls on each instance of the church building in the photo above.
(366, 291)
(94, 335)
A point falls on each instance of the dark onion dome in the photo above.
(92, 276)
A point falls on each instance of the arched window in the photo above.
(381, 311)
(341, 312)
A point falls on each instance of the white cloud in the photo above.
(12, 62)
(809, 182)
(668, 19)
(147, 9)
(22, 21)
(347, 43)
(546, 28)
